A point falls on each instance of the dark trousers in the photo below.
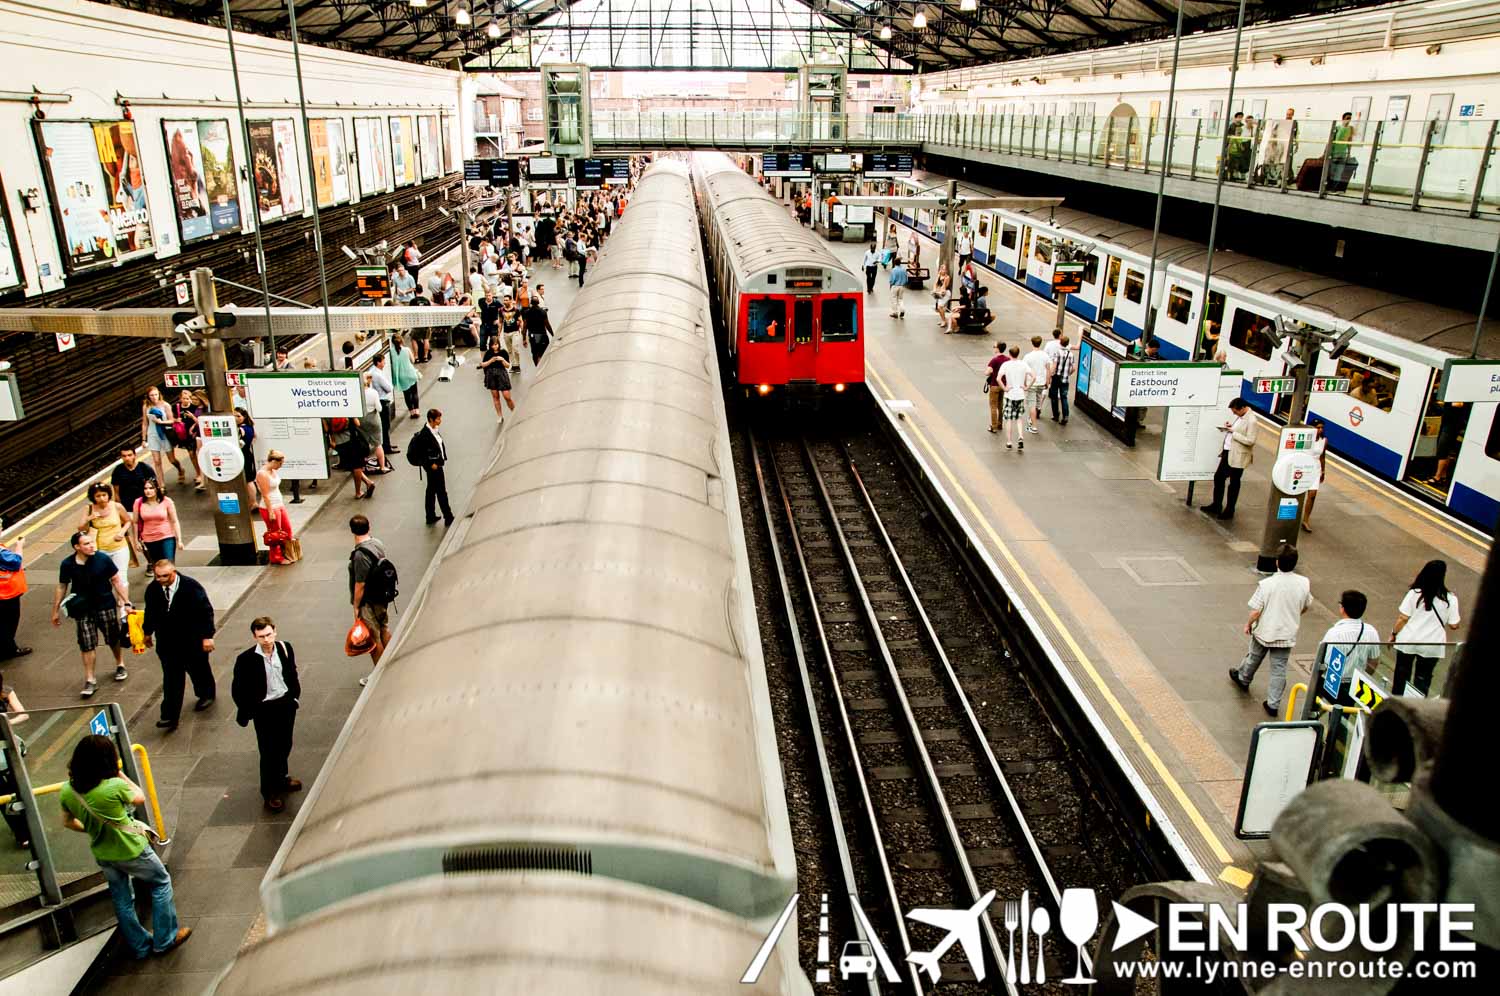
(538, 347)
(385, 424)
(1224, 474)
(870, 272)
(583, 265)
(178, 663)
(412, 401)
(273, 737)
(437, 494)
(10, 620)
(1417, 670)
(1057, 393)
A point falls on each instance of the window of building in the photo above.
(767, 320)
(1043, 250)
(840, 321)
(1248, 333)
(1135, 286)
(1008, 236)
(1179, 303)
(1371, 381)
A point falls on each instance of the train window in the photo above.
(1371, 381)
(1008, 236)
(1135, 286)
(767, 320)
(1043, 250)
(1179, 303)
(984, 226)
(1248, 333)
(1091, 270)
(840, 323)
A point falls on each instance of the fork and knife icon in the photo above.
(1031, 922)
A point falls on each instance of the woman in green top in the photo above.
(404, 376)
(99, 801)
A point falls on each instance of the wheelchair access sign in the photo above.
(1334, 675)
(99, 724)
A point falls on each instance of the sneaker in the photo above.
(1032, 428)
(89, 688)
(121, 674)
(364, 681)
(1009, 446)
(1020, 444)
(1234, 676)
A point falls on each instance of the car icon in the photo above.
(857, 958)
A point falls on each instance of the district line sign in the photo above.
(1167, 385)
(305, 394)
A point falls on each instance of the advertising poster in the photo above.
(263, 162)
(287, 166)
(10, 271)
(317, 156)
(218, 175)
(374, 164)
(381, 168)
(338, 158)
(432, 146)
(403, 151)
(204, 192)
(98, 191)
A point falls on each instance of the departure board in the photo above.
(888, 164)
(793, 164)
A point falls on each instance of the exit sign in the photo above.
(1275, 385)
(1330, 385)
(184, 378)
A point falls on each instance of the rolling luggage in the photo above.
(1310, 175)
(1340, 173)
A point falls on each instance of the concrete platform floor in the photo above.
(1143, 596)
(206, 770)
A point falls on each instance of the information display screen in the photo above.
(588, 172)
(888, 164)
(793, 164)
(546, 168)
(839, 162)
(617, 171)
(492, 172)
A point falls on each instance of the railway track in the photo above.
(942, 778)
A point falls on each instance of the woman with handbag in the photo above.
(273, 511)
(158, 435)
(99, 801)
(185, 429)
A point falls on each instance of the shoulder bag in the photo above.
(131, 827)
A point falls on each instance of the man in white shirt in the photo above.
(403, 285)
(476, 284)
(1015, 379)
(965, 247)
(1041, 368)
(872, 266)
(1357, 640)
(1276, 611)
(385, 393)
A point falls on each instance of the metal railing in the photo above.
(750, 129)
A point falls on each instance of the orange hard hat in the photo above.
(360, 640)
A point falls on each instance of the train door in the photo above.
(1025, 254)
(1111, 292)
(1440, 435)
(802, 343)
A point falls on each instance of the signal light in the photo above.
(764, 389)
(838, 388)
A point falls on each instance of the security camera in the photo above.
(350, 253)
(1341, 343)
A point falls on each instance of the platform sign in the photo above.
(305, 394)
(66, 341)
(1067, 278)
(1283, 759)
(372, 282)
(796, 165)
(300, 440)
(1333, 675)
(1296, 437)
(1329, 385)
(1471, 380)
(182, 291)
(181, 379)
(1191, 440)
(1275, 385)
(10, 398)
(1363, 690)
(588, 173)
(1162, 385)
(99, 723)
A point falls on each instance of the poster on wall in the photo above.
(287, 165)
(374, 161)
(432, 146)
(403, 151)
(98, 190)
(338, 158)
(317, 157)
(10, 270)
(201, 164)
(263, 166)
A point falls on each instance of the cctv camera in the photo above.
(350, 253)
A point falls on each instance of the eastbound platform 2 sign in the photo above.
(1166, 385)
(305, 394)
(1471, 380)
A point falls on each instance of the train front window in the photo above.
(1371, 381)
(1248, 333)
(1179, 303)
(840, 321)
(1008, 236)
(1135, 286)
(767, 321)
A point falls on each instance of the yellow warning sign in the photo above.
(1363, 690)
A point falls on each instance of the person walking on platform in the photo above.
(965, 247)
(1276, 611)
(12, 587)
(265, 691)
(130, 477)
(495, 367)
(99, 801)
(1041, 372)
(1237, 454)
(433, 453)
(872, 267)
(538, 331)
(1427, 610)
(898, 281)
(114, 533)
(372, 580)
(369, 425)
(180, 620)
(1057, 390)
(156, 523)
(404, 377)
(992, 385)
(385, 393)
(96, 594)
(15, 815)
(158, 435)
(1356, 639)
(1015, 381)
(403, 285)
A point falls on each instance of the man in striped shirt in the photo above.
(1062, 369)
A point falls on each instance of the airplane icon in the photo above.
(962, 927)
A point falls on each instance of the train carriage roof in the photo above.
(1433, 325)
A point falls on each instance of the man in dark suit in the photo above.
(266, 691)
(431, 454)
(180, 620)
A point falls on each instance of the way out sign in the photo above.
(305, 394)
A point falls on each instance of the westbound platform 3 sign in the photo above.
(1166, 385)
(297, 394)
(1471, 380)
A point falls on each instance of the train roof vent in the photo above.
(493, 858)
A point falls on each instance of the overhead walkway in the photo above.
(1433, 182)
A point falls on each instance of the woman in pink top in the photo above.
(156, 523)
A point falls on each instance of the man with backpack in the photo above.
(372, 585)
(429, 453)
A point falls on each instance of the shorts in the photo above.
(1034, 395)
(1015, 408)
(158, 443)
(100, 627)
(378, 617)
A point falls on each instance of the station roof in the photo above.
(745, 35)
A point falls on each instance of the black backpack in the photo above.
(416, 455)
(381, 583)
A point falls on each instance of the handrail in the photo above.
(148, 783)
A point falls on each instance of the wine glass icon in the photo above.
(1079, 918)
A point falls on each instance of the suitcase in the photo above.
(1341, 173)
(1310, 175)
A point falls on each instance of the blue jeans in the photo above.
(162, 549)
(148, 868)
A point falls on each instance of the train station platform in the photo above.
(1143, 596)
(206, 770)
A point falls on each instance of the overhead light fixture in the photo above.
(885, 32)
(493, 30)
(463, 16)
(919, 20)
(968, 5)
